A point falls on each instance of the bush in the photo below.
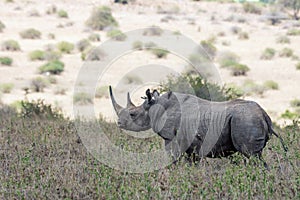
(293, 32)
(295, 103)
(53, 67)
(209, 48)
(137, 45)
(83, 44)
(243, 36)
(37, 55)
(10, 45)
(101, 18)
(2, 26)
(271, 85)
(38, 84)
(38, 109)
(227, 59)
(239, 69)
(102, 92)
(153, 31)
(52, 55)
(96, 55)
(286, 52)
(82, 98)
(283, 40)
(298, 66)
(251, 8)
(65, 47)
(30, 34)
(160, 53)
(6, 61)
(116, 35)
(6, 87)
(62, 14)
(198, 86)
(268, 54)
(95, 37)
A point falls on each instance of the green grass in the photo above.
(7, 61)
(43, 157)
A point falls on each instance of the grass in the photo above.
(101, 18)
(7, 61)
(45, 158)
(6, 87)
(10, 45)
(268, 54)
(30, 33)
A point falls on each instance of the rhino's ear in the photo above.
(155, 94)
(169, 94)
(148, 94)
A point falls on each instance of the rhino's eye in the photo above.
(132, 114)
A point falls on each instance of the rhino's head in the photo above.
(134, 118)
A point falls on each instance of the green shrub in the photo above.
(160, 53)
(251, 8)
(283, 40)
(137, 45)
(38, 84)
(37, 55)
(243, 36)
(82, 98)
(102, 92)
(2, 26)
(6, 87)
(101, 18)
(293, 32)
(271, 85)
(298, 66)
(209, 48)
(295, 103)
(95, 37)
(289, 115)
(39, 109)
(62, 14)
(153, 31)
(30, 34)
(227, 59)
(198, 86)
(65, 47)
(268, 54)
(239, 69)
(83, 44)
(116, 35)
(6, 61)
(286, 52)
(53, 67)
(10, 45)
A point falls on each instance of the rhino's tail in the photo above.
(271, 130)
(280, 138)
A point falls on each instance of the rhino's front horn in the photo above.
(116, 106)
(129, 102)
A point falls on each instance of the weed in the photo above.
(209, 48)
(30, 34)
(243, 36)
(51, 10)
(51, 36)
(298, 66)
(150, 45)
(96, 54)
(295, 103)
(102, 92)
(239, 69)
(227, 59)
(251, 8)
(132, 79)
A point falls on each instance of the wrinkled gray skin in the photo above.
(238, 125)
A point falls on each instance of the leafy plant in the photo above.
(65, 47)
(116, 35)
(268, 54)
(10, 45)
(6, 61)
(160, 53)
(271, 85)
(53, 67)
(286, 52)
(82, 98)
(6, 87)
(38, 84)
(62, 14)
(30, 34)
(101, 18)
(37, 55)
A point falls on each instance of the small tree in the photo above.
(294, 5)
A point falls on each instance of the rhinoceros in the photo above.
(191, 125)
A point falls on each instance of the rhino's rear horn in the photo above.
(116, 106)
(129, 102)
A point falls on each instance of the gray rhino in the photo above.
(198, 127)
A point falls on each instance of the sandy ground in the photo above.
(192, 15)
